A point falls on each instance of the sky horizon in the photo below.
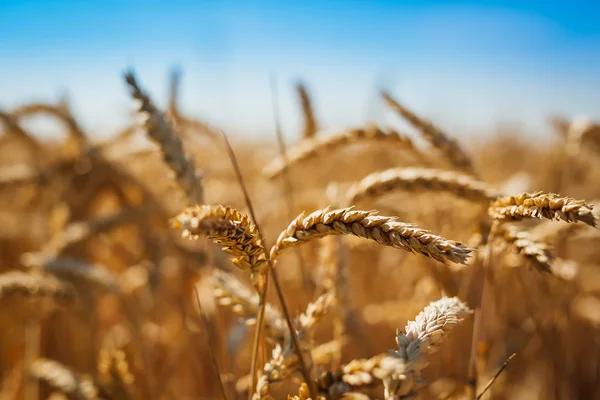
(467, 65)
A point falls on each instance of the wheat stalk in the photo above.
(324, 144)
(367, 224)
(160, 130)
(421, 179)
(542, 205)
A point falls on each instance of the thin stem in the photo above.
(211, 347)
(491, 382)
(303, 367)
(288, 188)
(260, 316)
(478, 324)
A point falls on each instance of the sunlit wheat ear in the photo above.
(229, 228)
(368, 225)
(64, 379)
(542, 205)
(231, 293)
(537, 254)
(33, 285)
(421, 180)
(310, 122)
(161, 131)
(324, 144)
(438, 139)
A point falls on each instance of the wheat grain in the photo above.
(367, 224)
(64, 379)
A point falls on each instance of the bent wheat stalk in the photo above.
(367, 224)
(438, 139)
(542, 205)
(421, 179)
(324, 144)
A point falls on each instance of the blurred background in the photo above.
(100, 297)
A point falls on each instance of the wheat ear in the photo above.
(231, 229)
(367, 224)
(310, 123)
(160, 130)
(324, 144)
(438, 139)
(232, 293)
(419, 180)
(537, 254)
(542, 205)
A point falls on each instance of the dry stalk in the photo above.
(368, 225)
(310, 123)
(325, 144)
(420, 180)
(438, 139)
(542, 205)
(62, 378)
(160, 130)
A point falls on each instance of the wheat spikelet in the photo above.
(324, 144)
(367, 224)
(537, 254)
(310, 123)
(421, 179)
(315, 311)
(162, 132)
(542, 205)
(244, 303)
(62, 378)
(438, 139)
(21, 284)
(229, 228)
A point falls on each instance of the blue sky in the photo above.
(468, 65)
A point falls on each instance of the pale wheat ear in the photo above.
(64, 379)
(310, 123)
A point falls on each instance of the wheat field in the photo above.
(360, 263)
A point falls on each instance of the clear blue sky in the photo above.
(468, 64)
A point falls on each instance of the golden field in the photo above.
(102, 297)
